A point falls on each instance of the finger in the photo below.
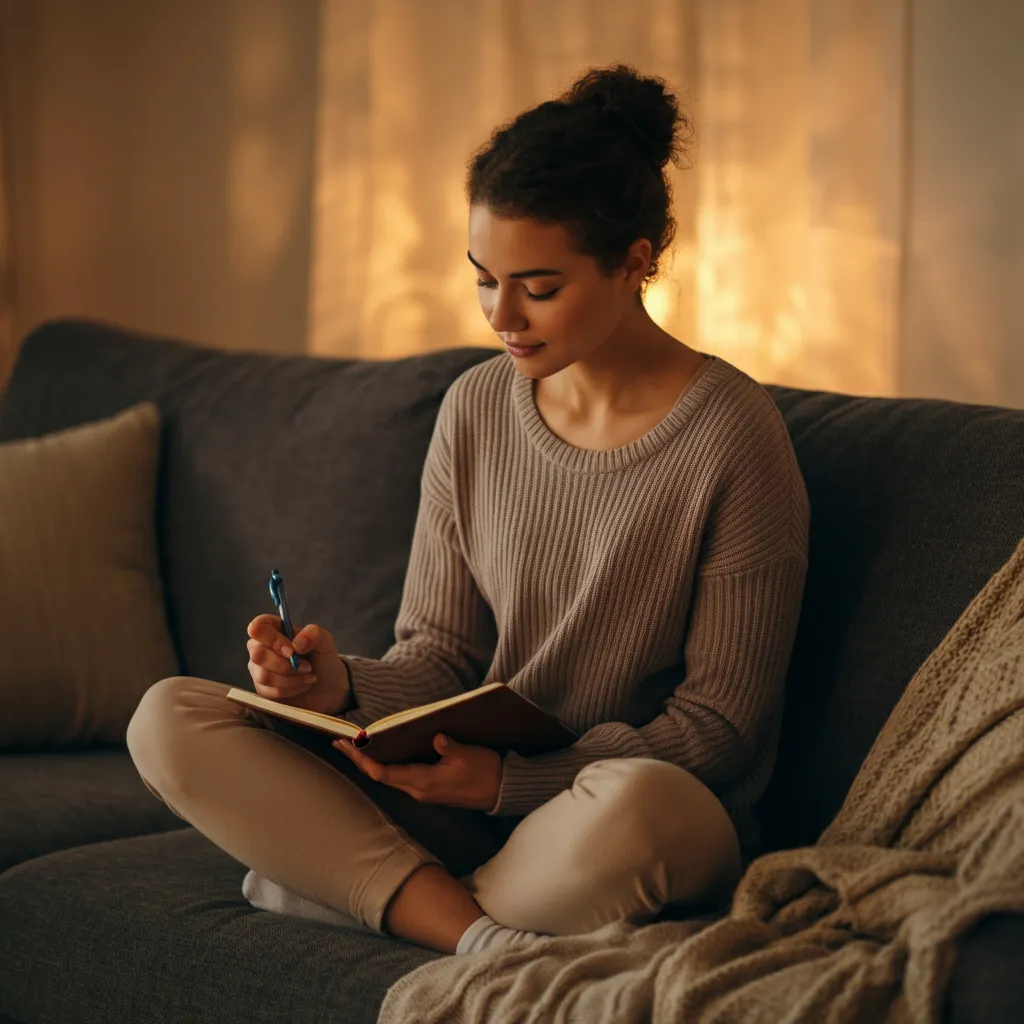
(308, 638)
(273, 685)
(388, 775)
(267, 633)
(313, 638)
(274, 662)
(367, 765)
(264, 627)
(414, 776)
(414, 793)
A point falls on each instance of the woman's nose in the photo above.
(505, 317)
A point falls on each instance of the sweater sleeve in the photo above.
(445, 634)
(726, 709)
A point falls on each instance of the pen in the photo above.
(277, 593)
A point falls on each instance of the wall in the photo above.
(963, 328)
(161, 165)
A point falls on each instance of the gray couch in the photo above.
(112, 910)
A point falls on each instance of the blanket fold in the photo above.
(859, 927)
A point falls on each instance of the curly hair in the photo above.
(592, 160)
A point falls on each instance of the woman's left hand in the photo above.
(466, 776)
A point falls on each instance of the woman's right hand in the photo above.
(321, 682)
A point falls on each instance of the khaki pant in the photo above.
(629, 837)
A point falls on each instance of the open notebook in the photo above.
(493, 715)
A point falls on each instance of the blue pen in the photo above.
(277, 593)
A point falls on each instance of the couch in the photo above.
(112, 909)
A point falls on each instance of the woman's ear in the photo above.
(638, 259)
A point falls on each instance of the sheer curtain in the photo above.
(786, 258)
(6, 333)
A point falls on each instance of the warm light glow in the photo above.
(786, 255)
(658, 303)
(265, 180)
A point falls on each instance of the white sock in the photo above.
(264, 894)
(485, 933)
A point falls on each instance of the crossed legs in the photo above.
(629, 836)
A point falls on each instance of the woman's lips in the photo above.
(521, 351)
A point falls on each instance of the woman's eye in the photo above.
(537, 298)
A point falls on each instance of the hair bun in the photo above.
(642, 105)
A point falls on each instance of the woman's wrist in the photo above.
(346, 699)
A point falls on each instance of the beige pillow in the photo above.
(84, 630)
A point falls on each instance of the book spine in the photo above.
(361, 739)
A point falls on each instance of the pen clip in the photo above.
(275, 579)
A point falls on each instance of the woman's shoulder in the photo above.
(753, 439)
(744, 406)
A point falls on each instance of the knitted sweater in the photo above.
(647, 595)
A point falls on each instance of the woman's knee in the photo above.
(161, 730)
(656, 814)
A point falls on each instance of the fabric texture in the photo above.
(80, 590)
(571, 575)
(860, 927)
(53, 799)
(152, 929)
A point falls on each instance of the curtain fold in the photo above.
(6, 337)
(6, 267)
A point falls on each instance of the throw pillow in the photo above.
(81, 602)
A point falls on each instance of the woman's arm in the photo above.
(445, 635)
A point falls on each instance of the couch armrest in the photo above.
(986, 985)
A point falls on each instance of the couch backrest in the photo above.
(915, 503)
(312, 466)
(308, 465)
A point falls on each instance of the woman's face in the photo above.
(536, 290)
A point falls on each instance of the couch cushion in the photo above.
(155, 929)
(305, 464)
(80, 584)
(915, 503)
(52, 800)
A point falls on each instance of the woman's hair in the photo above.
(592, 160)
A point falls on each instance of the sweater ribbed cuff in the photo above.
(354, 713)
(525, 786)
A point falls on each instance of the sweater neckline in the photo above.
(586, 460)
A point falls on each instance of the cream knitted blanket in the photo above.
(859, 927)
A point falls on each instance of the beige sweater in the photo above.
(647, 595)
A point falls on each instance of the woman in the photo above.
(611, 522)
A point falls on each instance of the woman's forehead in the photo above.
(508, 240)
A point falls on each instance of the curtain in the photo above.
(6, 339)
(789, 216)
(6, 272)
(287, 175)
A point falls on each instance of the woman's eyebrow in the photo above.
(539, 272)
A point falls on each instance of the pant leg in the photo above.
(631, 836)
(289, 805)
